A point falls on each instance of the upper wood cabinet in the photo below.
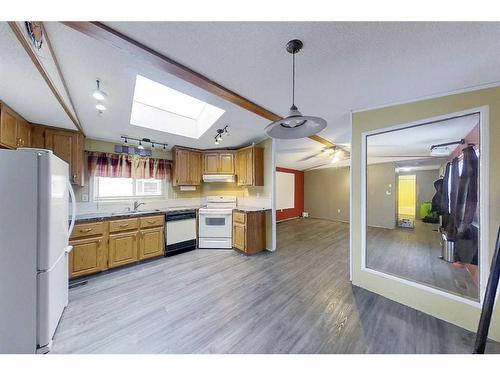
(14, 130)
(187, 167)
(216, 162)
(68, 145)
(250, 166)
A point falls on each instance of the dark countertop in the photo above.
(251, 209)
(100, 216)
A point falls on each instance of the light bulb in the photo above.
(216, 140)
(99, 95)
(100, 107)
(140, 147)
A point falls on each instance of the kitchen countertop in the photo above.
(251, 209)
(97, 216)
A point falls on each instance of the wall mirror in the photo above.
(423, 204)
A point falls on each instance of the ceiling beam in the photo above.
(67, 107)
(103, 33)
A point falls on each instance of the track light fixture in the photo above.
(140, 141)
(220, 133)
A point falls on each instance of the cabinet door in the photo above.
(23, 132)
(78, 159)
(239, 236)
(61, 143)
(151, 243)
(241, 169)
(181, 167)
(226, 161)
(195, 168)
(8, 131)
(249, 167)
(37, 136)
(122, 248)
(88, 256)
(211, 163)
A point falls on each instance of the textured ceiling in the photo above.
(342, 67)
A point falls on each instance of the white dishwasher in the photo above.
(180, 232)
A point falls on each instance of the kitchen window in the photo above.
(125, 188)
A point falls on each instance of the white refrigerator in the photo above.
(34, 230)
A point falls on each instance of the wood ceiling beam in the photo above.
(103, 33)
(45, 75)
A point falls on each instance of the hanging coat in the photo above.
(451, 226)
(444, 201)
(467, 191)
(438, 196)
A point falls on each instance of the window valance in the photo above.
(104, 164)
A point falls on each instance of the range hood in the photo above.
(218, 178)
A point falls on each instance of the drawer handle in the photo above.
(123, 225)
(151, 221)
(86, 230)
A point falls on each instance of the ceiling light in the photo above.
(216, 140)
(140, 147)
(98, 94)
(295, 125)
(100, 107)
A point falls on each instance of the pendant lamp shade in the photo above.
(295, 125)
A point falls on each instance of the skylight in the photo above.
(158, 107)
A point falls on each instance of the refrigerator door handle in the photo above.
(73, 209)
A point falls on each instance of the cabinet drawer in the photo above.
(239, 217)
(123, 225)
(88, 229)
(152, 221)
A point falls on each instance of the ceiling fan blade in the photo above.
(309, 157)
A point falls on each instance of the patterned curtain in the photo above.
(122, 165)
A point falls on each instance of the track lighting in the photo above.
(140, 141)
(220, 133)
(98, 94)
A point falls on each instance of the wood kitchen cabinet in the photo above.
(14, 130)
(122, 248)
(89, 255)
(216, 162)
(68, 145)
(152, 240)
(187, 167)
(249, 231)
(250, 166)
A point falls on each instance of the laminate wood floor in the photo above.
(413, 254)
(295, 300)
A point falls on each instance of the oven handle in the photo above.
(215, 215)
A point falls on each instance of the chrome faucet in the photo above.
(137, 205)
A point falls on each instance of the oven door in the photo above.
(215, 225)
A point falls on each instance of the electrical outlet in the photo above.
(85, 197)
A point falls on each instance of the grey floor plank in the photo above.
(295, 300)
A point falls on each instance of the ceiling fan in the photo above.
(336, 151)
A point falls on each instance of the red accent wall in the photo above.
(291, 213)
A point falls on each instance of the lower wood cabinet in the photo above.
(100, 245)
(122, 248)
(249, 231)
(89, 256)
(151, 242)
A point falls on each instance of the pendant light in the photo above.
(98, 94)
(295, 125)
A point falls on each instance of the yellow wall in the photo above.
(407, 195)
(454, 311)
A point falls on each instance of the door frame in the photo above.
(484, 258)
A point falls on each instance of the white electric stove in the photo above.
(215, 223)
